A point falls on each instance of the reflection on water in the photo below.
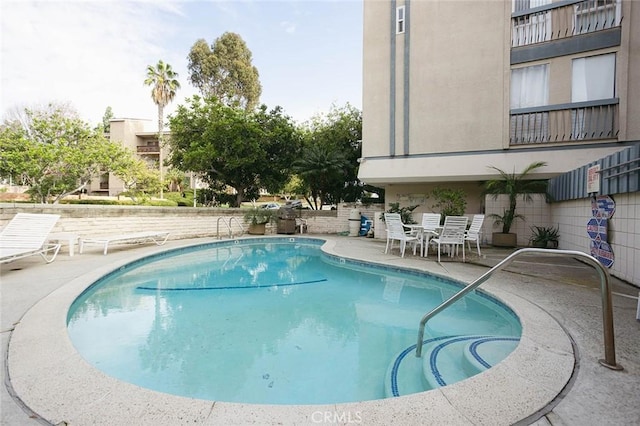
(263, 323)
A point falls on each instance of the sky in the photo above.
(92, 54)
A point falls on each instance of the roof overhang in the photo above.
(476, 166)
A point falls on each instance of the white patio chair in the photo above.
(26, 235)
(474, 231)
(452, 235)
(430, 227)
(395, 231)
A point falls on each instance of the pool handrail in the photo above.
(228, 225)
(605, 291)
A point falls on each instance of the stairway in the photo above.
(445, 360)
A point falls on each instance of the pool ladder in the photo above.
(605, 291)
(228, 225)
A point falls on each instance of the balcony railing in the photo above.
(581, 121)
(559, 20)
(148, 148)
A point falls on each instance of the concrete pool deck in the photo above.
(553, 377)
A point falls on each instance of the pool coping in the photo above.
(59, 385)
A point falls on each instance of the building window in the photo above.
(400, 20)
(529, 88)
(593, 78)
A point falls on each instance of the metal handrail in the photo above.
(231, 219)
(228, 225)
(605, 291)
(218, 227)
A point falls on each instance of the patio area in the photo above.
(565, 289)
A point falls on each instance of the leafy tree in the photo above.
(140, 181)
(20, 115)
(57, 155)
(246, 150)
(328, 165)
(164, 84)
(108, 115)
(225, 71)
(514, 185)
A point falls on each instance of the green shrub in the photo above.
(406, 213)
(448, 202)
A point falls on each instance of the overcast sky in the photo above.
(94, 54)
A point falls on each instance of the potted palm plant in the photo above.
(258, 219)
(544, 237)
(513, 185)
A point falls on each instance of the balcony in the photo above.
(581, 121)
(148, 149)
(560, 20)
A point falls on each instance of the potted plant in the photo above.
(258, 219)
(406, 213)
(544, 237)
(513, 185)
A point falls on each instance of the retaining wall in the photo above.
(181, 222)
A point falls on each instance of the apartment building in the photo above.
(452, 87)
(141, 137)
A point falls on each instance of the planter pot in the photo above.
(257, 229)
(499, 239)
(545, 244)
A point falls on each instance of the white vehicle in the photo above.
(271, 206)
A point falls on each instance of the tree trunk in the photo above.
(161, 147)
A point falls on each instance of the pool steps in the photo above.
(445, 360)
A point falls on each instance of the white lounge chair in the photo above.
(452, 235)
(395, 231)
(26, 235)
(474, 231)
(158, 237)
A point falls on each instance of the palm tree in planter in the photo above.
(513, 185)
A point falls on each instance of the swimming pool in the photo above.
(270, 321)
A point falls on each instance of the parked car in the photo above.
(294, 204)
(271, 206)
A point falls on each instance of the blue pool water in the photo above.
(271, 321)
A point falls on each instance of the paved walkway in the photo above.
(566, 289)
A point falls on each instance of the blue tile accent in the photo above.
(403, 354)
(434, 355)
(473, 348)
(480, 339)
(229, 287)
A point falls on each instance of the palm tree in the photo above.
(164, 84)
(512, 185)
(322, 170)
